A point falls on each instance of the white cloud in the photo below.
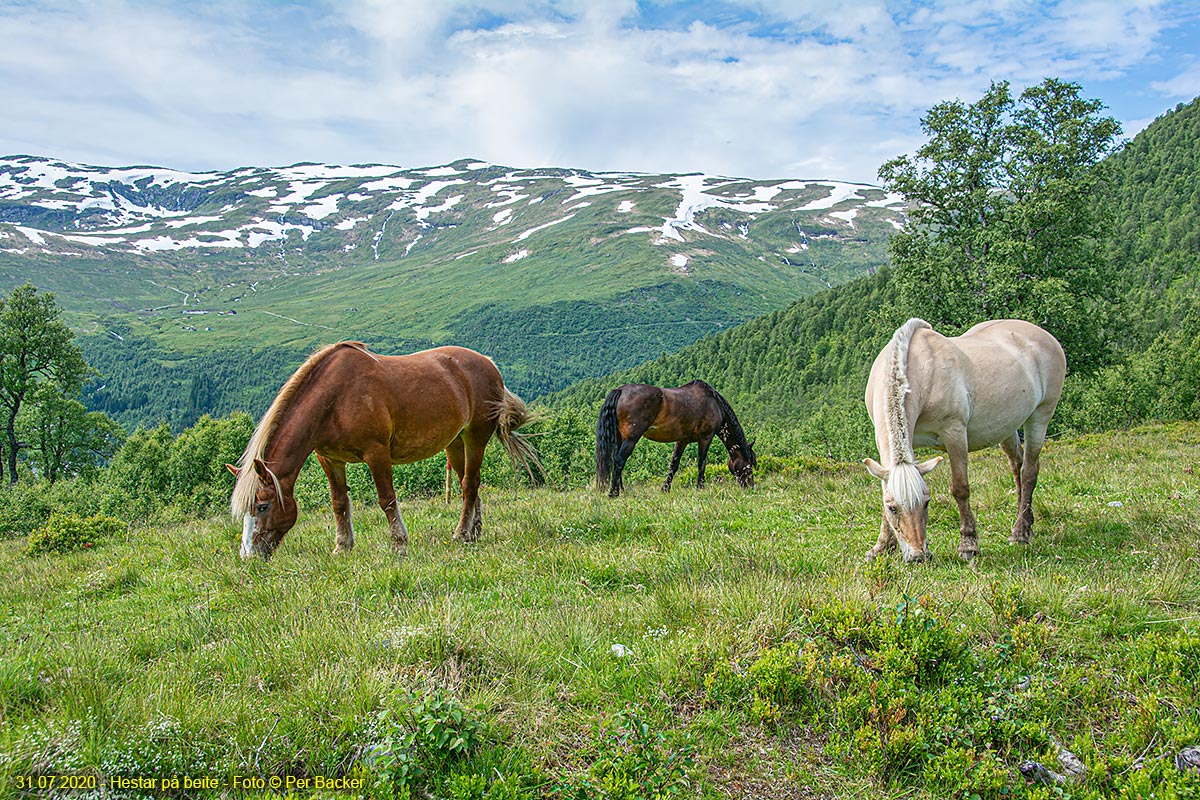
(1185, 85)
(765, 88)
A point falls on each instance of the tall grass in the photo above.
(723, 641)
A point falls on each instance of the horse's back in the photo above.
(994, 377)
(416, 402)
(996, 343)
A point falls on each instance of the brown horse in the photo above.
(692, 413)
(349, 405)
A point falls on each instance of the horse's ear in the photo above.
(876, 469)
(260, 469)
(236, 472)
(927, 466)
(750, 444)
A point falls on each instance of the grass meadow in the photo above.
(706, 643)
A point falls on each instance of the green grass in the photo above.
(763, 657)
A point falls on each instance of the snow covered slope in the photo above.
(476, 253)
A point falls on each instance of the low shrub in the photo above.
(416, 738)
(64, 533)
(632, 762)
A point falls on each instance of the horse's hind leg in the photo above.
(1016, 462)
(335, 471)
(623, 453)
(678, 454)
(1035, 437)
(1012, 448)
(380, 464)
(470, 524)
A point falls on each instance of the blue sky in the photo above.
(761, 88)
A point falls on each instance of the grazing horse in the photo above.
(349, 405)
(958, 394)
(691, 413)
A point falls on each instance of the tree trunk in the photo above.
(13, 446)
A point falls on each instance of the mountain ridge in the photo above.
(557, 273)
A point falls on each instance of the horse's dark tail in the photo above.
(607, 439)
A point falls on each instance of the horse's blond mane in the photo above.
(903, 480)
(247, 481)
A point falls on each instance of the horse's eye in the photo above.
(262, 508)
(893, 510)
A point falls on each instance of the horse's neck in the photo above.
(289, 447)
(727, 437)
(901, 408)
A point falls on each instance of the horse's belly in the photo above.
(421, 445)
(663, 435)
(928, 439)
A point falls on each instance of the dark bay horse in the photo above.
(349, 405)
(695, 412)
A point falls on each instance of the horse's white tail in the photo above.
(511, 414)
(897, 388)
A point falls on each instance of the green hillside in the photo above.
(1156, 213)
(803, 369)
(193, 291)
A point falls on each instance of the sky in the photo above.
(747, 88)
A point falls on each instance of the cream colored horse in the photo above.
(958, 394)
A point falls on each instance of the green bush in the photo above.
(64, 533)
(418, 738)
(27, 505)
(633, 762)
(187, 472)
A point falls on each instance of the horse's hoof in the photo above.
(869, 558)
(1018, 539)
(968, 555)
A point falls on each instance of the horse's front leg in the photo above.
(885, 544)
(380, 464)
(678, 454)
(701, 460)
(335, 471)
(956, 451)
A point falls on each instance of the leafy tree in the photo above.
(35, 346)
(1004, 219)
(62, 437)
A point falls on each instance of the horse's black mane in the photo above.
(730, 432)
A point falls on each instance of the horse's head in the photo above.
(269, 517)
(906, 503)
(742, 462)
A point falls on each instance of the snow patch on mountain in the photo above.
(322, 207)
(695, 199)
(848, 215)
(526, 234)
